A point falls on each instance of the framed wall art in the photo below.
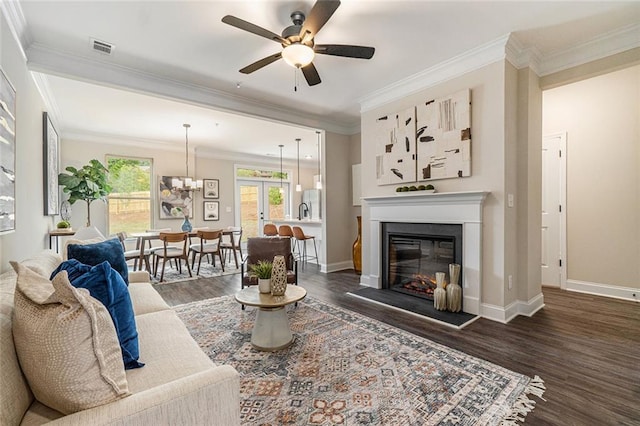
(210, 187)
(396, 148)
(173, 201)
(7, 155)
(210, 210)
(444, 137)
(51, 165)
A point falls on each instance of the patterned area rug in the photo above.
(172, 275)
(346, 369)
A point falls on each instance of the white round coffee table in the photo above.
(271, 331)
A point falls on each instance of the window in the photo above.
(130, 198)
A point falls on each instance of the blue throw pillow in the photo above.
(106, 285)
(93, 254)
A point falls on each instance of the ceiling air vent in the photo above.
(102, 46)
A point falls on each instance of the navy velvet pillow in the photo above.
(106, 285)
(93, 254)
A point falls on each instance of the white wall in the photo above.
(487, 86)
(337, 190)
(601, 116)
(32, 226)
(77, 153)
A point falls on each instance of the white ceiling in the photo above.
(183, 45)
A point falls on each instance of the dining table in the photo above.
(143, 237)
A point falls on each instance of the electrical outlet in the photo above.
(510, 282)
(228, 209)
(510, 201)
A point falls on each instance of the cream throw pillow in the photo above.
(66, 343)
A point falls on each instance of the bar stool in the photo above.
(300, 236)
(286, 231)
(270, 230)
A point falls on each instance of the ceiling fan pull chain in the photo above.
(295, 79)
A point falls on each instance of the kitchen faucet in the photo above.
(305, 210)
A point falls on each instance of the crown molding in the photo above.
(470, 60)
(520, 56)
(46, 60)
(111, 139)
(42, 83)
(608, 44)
(17, 24)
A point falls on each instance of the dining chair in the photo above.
(270, 230)
(302, 238)
(209, 244)
(170, 251)
(233, 245)
(134, 254)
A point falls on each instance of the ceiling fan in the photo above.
(297, 40)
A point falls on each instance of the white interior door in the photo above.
(553, 262)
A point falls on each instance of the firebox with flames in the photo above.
(421, 285)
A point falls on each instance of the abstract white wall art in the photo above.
(7, 155)
(443, 134)
(396, 148)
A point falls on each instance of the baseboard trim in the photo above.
(606, 290)
(519, 307)
(337, 266)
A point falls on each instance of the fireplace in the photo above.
(458, 208)
(412, 253)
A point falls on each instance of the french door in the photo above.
(259, 202)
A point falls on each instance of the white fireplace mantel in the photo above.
(463, 208)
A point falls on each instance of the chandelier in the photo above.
(186, 183)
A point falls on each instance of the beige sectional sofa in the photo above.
(179, 385)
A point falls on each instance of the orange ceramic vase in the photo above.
(357, 249)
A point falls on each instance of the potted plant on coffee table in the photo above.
(262, 270)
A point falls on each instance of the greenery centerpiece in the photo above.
(262, 270)
(88, 184)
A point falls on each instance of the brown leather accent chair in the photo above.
(265, 249)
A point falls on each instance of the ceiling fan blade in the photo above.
(318, 16)
(362, 52)
(311, 74)
(252, 28)
(261, 63)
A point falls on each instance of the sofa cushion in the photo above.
(106, 285)
(169, 352)
(145, 298)
(95, 253)
(66, 343)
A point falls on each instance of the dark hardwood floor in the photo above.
(585, 348)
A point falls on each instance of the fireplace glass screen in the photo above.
(413, 258)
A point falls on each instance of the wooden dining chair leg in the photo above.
(146, 264)
(199, 262)
(188, 268)
(164, 261)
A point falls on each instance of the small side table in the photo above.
(57, 233)
(271, 331)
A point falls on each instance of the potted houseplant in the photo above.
(88, 184)
(262, 270)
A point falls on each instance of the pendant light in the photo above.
(298, 186)
(186, 183)
(281, 188)
(319, 182)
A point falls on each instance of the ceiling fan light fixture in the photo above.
(298, 55)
